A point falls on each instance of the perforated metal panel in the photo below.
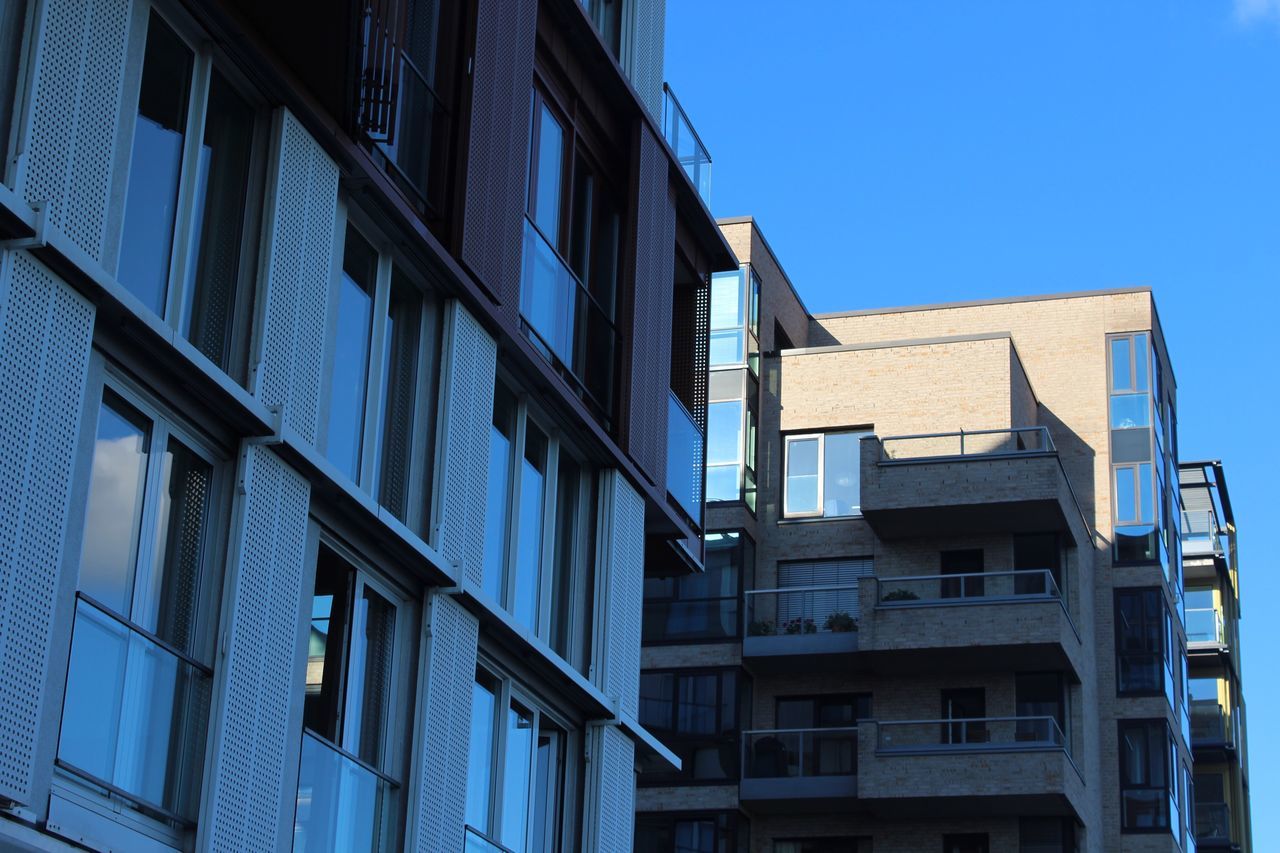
(446, 714)
(651, 331)
(76, 101)
(45, 336)
(498, 149)
(611, 794)
(647, 44)
(466, 413)
(299, 252)
(251, 782)
(622, 584)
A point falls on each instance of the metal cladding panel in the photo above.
(76, 105)
(623, 584)
(647, 52)
(251, 783)
(46, 332)
(298, 264)
(612, 824)
(651, 328)
(466, 416)
(498, 148)
(446, 713)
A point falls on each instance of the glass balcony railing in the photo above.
(985, 442)
(1209, 723)
(684, 140)
(135, 715)
(968, 588)
(1205, 626)
(800, 753)
(419, 150)
(1200, 533)
(802, 610)
(1213, 822)
(343, 804)
(566, 322)
(685, 450)
(477, 843)
(975, 734)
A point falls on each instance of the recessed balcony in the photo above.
(799, 769)
(961, 483)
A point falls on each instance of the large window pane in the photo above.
(170, 609)
(113, 517)
(840, 474)
(1130, 410)
(373, 631)
(563, 590)
(547, 785)
(341, 805)
(516, 768)
(329, 607)
(155, 166)
(400, 381)
(802, 476)
(347, 385)
(501, 439)
(222, 182)
(528, 557)
(728, 333)
(1121, 364)
(549, 165)
(484, 705)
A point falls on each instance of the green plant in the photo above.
(900, 595)
(800, 626)
(840, 623)
(761, 628)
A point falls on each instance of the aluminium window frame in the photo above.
(742, 542)
(422, 480)
(1168, 751)
(788, 439)
(106, 375)
(1167, 635)
(206, 58)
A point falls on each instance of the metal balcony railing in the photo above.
(972, 734)
(685, 451)
(802, 610)
(1205, 626)
(1200, 533)
(984, 442)
(343, 803)
(1213, 822)
(799, 753)
(686, 143)
(968, 588)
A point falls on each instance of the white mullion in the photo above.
(189, 171)
(513, 513)
(822, 480)
(375, 382)
(546, 567)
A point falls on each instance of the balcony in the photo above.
(801, 628)
(1200, 534)
(565, 322)
(1214, 731)
(343, 804)
(1213, 826)
(684, 141)
(1205, 627)
(961, 483)
(969, 767)
(417, 153)
(685, 451)
(972, 621)
(797, 769)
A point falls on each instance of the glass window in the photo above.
(351, 354)
(724, 450)
(191, 200)
(548, 171)
(728, 332)
(802, 485)
(484, 708)
(701, 607)
(139, 674)
(664, 832)
(840, 474)
(1141, 625)
(697, 714)
(352, 758)
(1122, 364)
(502, 436)
(1144, 774)
(823, 475)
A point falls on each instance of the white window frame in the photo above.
(821, 437)
(94, 808)
(204, 61)
(430, 324)
(579, 607)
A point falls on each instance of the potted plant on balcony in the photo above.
(760, 628)
(800, 626)
(840, 623)
(900, 595)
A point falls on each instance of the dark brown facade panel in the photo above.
(651, 327)
(498, 147)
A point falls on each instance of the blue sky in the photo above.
(906, 151)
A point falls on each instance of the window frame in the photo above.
(68, 781)
(1167, 745)
(742, 544)
(727, 738)
(1166, 634)
(206, 58)
(420, 496)
(821, 436)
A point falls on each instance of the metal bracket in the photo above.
(37, 240)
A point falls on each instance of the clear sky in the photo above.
(905, 151)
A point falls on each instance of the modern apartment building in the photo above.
(353, 377)
(944, 605)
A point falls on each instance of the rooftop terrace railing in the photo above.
(686, 143)
(983, 442)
